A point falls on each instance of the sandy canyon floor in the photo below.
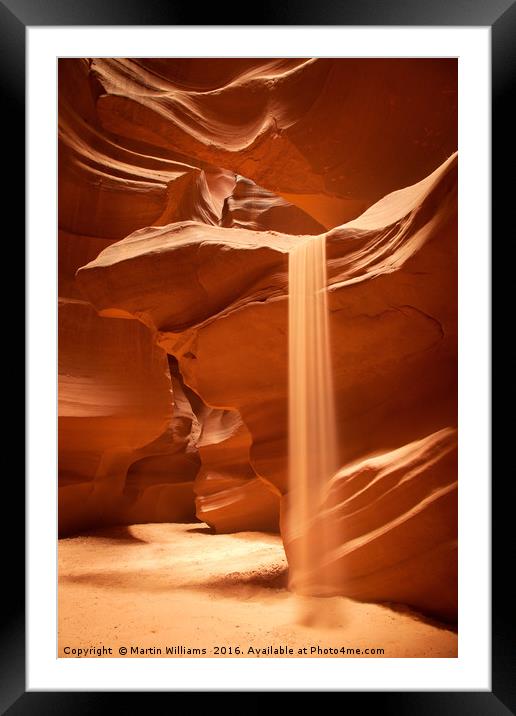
(179, 586)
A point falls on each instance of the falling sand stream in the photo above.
(312, 436)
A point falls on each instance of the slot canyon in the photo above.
(257, 272)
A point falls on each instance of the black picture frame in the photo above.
(500, 16)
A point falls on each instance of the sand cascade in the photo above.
(312, 434)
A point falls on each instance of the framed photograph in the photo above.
(259, 300)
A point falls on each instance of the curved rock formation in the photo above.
(114, 403)
(251, 207)
(315, 131)
(230, 496)
(391, 522)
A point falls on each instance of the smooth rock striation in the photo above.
(391, 525)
